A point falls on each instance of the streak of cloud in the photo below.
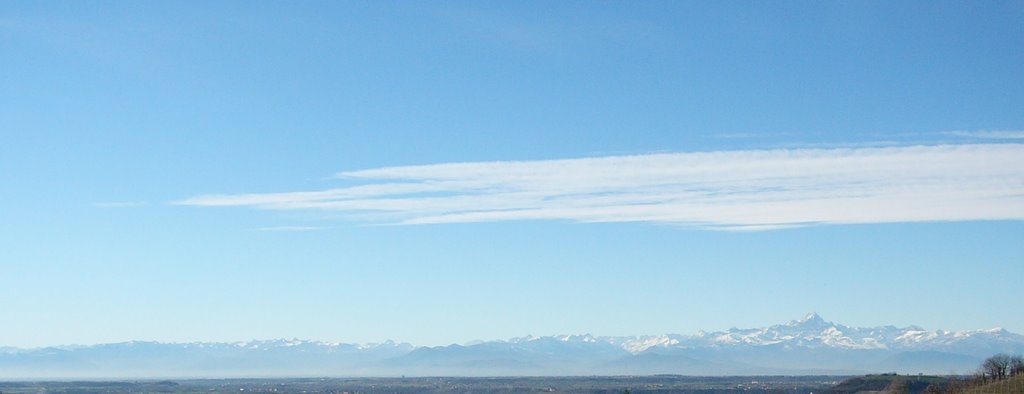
(994, 134)
(747, 190)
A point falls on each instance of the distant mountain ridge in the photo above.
(812, 332)
(809, 345)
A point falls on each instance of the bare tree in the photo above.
(1016, 365)
(996, 366)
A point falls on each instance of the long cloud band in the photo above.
(738, 190)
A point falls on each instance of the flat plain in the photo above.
(589, 384)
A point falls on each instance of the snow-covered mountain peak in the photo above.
(527, 338)
(386, 344)
(810, 321)
(641, 344)
(811, 317)
(577, 338)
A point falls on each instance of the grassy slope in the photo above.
(1013, 385)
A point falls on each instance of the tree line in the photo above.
(1002, 366)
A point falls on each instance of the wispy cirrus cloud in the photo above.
(732, 190)
(990, 134)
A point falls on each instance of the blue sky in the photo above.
(484, 170)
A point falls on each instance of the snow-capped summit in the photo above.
(642, 344)
(809, 320)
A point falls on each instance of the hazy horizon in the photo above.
(562, 335)
(439, 173)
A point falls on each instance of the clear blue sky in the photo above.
(153, 157)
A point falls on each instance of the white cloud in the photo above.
(995, 134)
(736, 190)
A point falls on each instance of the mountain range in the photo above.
(805, 346)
